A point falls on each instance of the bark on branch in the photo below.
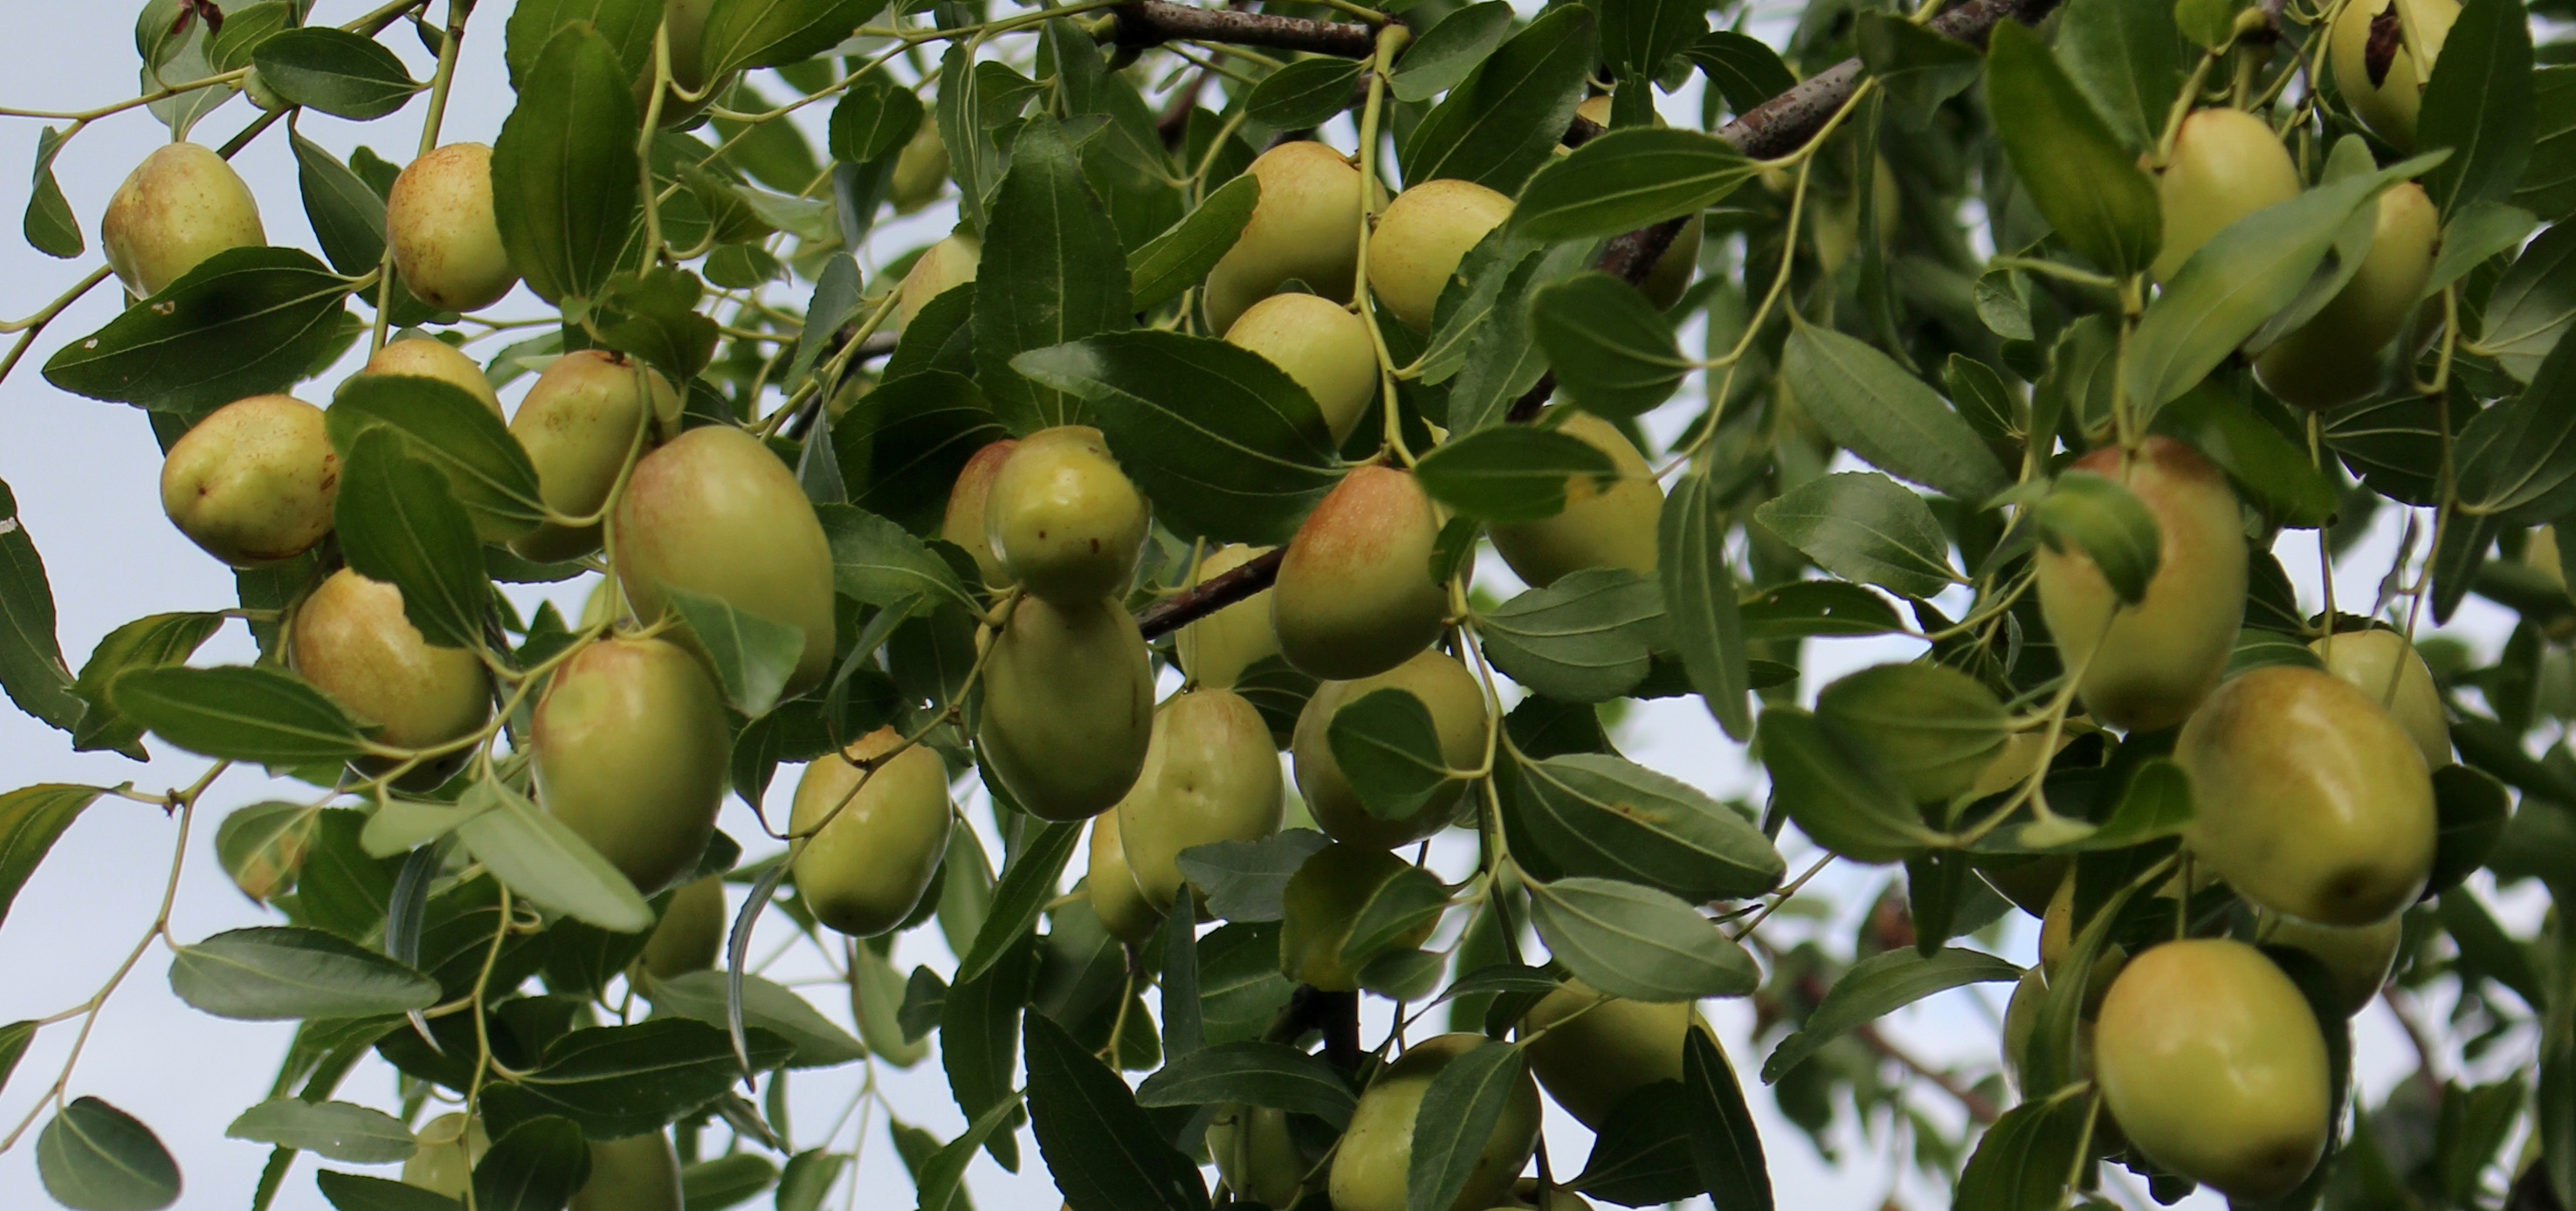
(1154, 22)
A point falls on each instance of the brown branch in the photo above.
(1155, 22)
(1211, 595)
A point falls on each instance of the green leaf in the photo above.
(1228, 447)
(2472, 808)
(541, 858)
(2275, 473)
(337, 72)
(2023, 1161)
(1511, 473)
(1406, 900)
(1102, 1149)
(31, 820)
(617, 1081)
(1864, 527)
(1027, 884)
(2088, 186)
(347, 216)
(241, 713)
(700, 995)
(246, 322)
(1877, 986)
(2548, 186)
(1869, 405)
(2156, 804)
(95, 1157)
(2481, 232)
(1254, 1074)
(487, 470)
(50, 226)
(979, 1038)
(2093, 515)
(1642, 1154)
(628, 25)
(1629, 179)
(537, 1166)
(31, 658)
(1804, 608)
(14, 1038)
(1387, 747)
(1445, 54)
(1612, 351)
(341, 1131)
(753, 656)
(351, 1192)
(876, 562)
(1703, 616)
(1839, 793)
(2533, 302)
(1244, 880)
(1587, 638)
(1053, 248)
(1637, 942)
(1743, 69)
(1456, 1120)
(1724, 1144)
(1932, 726)
(1175, 260)
(1920, 68)
(1500, 124)
(2479, 104)
(1597, 815)
(2127, 57)
(1308, 92)
(1637, 36)
(564, 172)
(2518, 458)
(941, 1179)
(398, 524)
(275, 973)
(875, 116)
(744, 34)
(653, 315)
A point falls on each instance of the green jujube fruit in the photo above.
(1256, 1155)
(631, 747)
(1354, 596)
(1210, 775)
(2334, 358)
(2356, 960)
(1601, 527)
(1068, 707)
(1306, 226)
(963, 523)
(1320, 344)
(2387, 669)
(1591, 1050)
(446, 241)
(942, 267)
(1320, 904)
(1458, 716)
(1419, 241)
(1062, 520)
(1217, 648)
(350, 640)
(254, 482)
(638, 1173)
(691, 934)
(180, 206)
(585, 414)
(448, 1148)
(2226, 164)
(2382, 54)
(1111, 886)
(430, 358)
(865, 871)
(1372, 1165)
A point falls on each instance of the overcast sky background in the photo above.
(85, 476)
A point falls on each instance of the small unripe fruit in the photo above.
(254, 482)
(631, 749)
(2309, 799)
(920, 170)
(1115, 898)
(1372, 1164)
(449, 1147)
(1355, 596)
(638, 1173)
(2388, 671)
(446, 242)
(963, 524)
(942, 267)
(691, 934)
(2388, 95)
(2334, 358)
(425, 357)
(1458, 716)
(1322, 345)
(1216, 649)
(182, 205)
(1420, 239)
(2226, 165)
(1611, 527)
(1063, 521)
(2146, 666)
(351, 641)
(715, 512)
(1306, 226)
(2213, 1064)
(2357, 961)
(1322, 901)
(1596, 1050)
(1258, 1158)
(865, 871)
(578, 423)
(1068, 707)
(1210, 775)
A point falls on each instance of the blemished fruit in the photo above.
(1068, 707)
(1458, 716)
(1322, 901)
(1612, 527)
(638, 1173)
(446, 241)
(1323, 346)
(920, 171)
(691, 934)
(425, 357)
(963, 524)
(1216, 649)
(1598, 1049)
(1115, 898)
(254, 482)
(1062, 519)
(2387, 669)
(715, 512)
(942, 267)
(2333, 358)
(1256, 1155)
(866, 870)
(2388, 96)
(1419, 240)
(1371, 1165)
(2146, 666)
(2356, 960)
(2213, 1064)
(1210, 775)
(578, 424)
(631, 748)
(351, 641)
(1306, 226)
(1355, 596)
(2310, 800)
(182, 205)
(449, 1146)
(2226, 165)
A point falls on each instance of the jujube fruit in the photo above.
(691, 934)
(942, 267)
(963, 523)
(638, 1173)
(1355, 596)
(351, 641)
(1420, 239)
(1320, 344)
(1306, 226)
(1590, 1051)
(448, 1148)
(446, 242)
(1372, 1165)
(425, 357)
(1458, 716)
(1256, 1155)
(2357, 960)
(1215, 649)
(2387, 96)
(180, 206)
(2387, 669)
(578, 423)
(1609, 526)
(1525, 1198)
(1063, 521)
(254, 482)
(1115, 898)
(1210, 775)
(865, 871)
(1322, 902)
(2334, 358)
(2226, 165)
(920, 170)
(1068, 707)
(631, 751)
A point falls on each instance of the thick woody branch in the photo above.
(1155, 22)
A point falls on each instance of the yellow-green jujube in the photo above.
(350, 640)
(1600, 527)
(715, 512)
(2333, 359)
(1458, 717)
(585, 414)
(1115, 898)
(446, 242)
(2309, 800)
(1323, 346)
(1354, 596)
(963, 523)
(920, 170)
(2147, 665)
(631, 748)
(865, 871)
(940, 268)
(1063, 521)
(2226, 165)
(691, 934)
(1068, 707)
(2213, 1064)
(1259, 1160)
(1305, 226)
(447, 1149)
(1322, 901)
(1372, 1164)
(638, 1173)
(180, 206)
(2388, 94)
(1592, 1050)
(2357, 960)
(427, 357)
(1525, 1198)
(254, 482)
(2388, 670)
(1420, 239)
(1210, 775)
(1216, 649)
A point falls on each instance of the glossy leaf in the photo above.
(1587, 638)
(2478, 104)
(1638, 943)
(1863, 526)
(1723, 1140)
(1308, 92)
(95, 1157)
(1612, 351)
(541, 858)
(1877, 986)
(1920, 68)
(1459, 1111)
(1628, 179)
(1386, 745)
(1500, 124)
(1600, 815)
(353, 1192)
(537, 1165)
(1642, 1154)
(1182, 255)
(1510, 473)
(2093, 514)
(239, 712)
(2078, 174)
(1026, 886)
(31, 820)
(1704, 618)
(1743, 69)
(1445, 54)
(245, 322)
(50, 226)
(819, 1042)
(340, 73)
(1244, 880)
(2022, 1162)
(398, 524)
(359, 1135)
(1869, 405)
(2268, 467)
(1103, 1151)
(616, 1081)
(487, 470)
(2127, 58)
(742, 34)
(1051, 240)
(274, 973)
(1254, 1074)
(753, 656)
(564, 171)
(1840, 794)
